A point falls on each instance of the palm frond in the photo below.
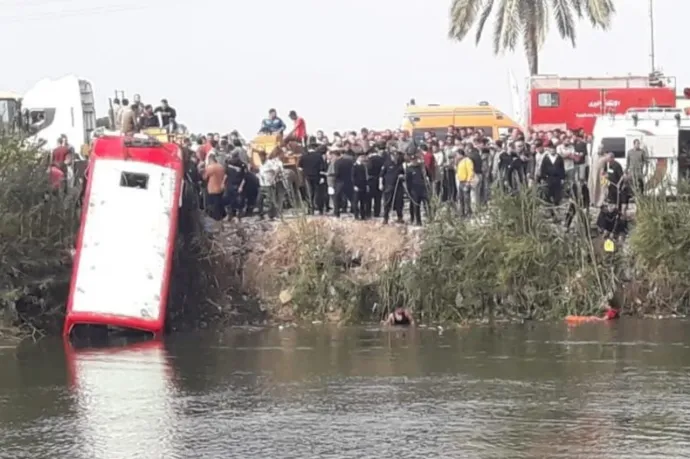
(534, 15)
(508, 26)
(600, 12)
(483, 18)
(463, 13)
(563, 14)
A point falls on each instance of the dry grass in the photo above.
(328, 268)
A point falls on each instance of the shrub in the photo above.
(36, 232)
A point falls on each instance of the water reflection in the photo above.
(596, 391)
(123, 398)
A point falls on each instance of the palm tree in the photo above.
(527, 20)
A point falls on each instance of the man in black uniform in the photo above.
(313, 167)
(391, 183)
(552, 172)
(235, 177)
(374, 165)
(616, 193)
(360, 180)
(416, 188)
(343, 187)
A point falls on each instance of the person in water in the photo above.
(400, 316)
(613, 310)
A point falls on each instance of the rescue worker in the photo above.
(391, 183)
(399, 317)
(360, 182)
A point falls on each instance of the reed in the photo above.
(513, 263)
(37, 230)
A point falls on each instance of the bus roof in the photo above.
(458, 110)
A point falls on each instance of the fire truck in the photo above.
(574, 103)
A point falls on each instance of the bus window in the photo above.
(505, 131)
(418, 134)
(615, 145)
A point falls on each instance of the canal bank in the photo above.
(513, 263)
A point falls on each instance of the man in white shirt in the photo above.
(270, 178)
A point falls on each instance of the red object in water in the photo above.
(125, 244)
(574, 103)
(612, 314)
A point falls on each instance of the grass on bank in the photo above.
(36, 232)
(515, 265)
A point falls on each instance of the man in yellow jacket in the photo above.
(465, 179)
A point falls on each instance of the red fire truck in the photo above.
(574, 103)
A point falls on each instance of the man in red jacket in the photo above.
(429, 162)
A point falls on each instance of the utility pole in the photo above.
(651, 35)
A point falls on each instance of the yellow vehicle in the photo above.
(269, 143)
(437, 118)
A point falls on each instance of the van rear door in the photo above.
(662, 150)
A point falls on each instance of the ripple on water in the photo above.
(517, 395)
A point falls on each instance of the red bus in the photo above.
(125, 244)
(574, 103)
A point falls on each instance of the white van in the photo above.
(663, 132)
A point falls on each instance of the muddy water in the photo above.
(538, 391)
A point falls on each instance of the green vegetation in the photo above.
(526, 21)
(515, 264)
(36, 233)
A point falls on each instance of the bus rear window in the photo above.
(615, 145)
(134, 180)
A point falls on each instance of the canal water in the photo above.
(520, 391)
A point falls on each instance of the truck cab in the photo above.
(10, 112)
(62, 106)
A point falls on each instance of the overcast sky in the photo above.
(342, 64)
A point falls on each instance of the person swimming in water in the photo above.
(399, 317)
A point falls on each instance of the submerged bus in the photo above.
(125, 244)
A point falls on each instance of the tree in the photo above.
(527, 20)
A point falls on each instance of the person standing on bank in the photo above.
(415, 179)
(360, 181)
(299, 131)
(270, 173)
(313, 166)
(552, 173)
(343, 188)
(391, 183)
(235, 176)
(374, 166)
(636, 166)
(214, 175)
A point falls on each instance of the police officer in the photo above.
(415, 180)
(374, 166)
(360, 181)
(391, 183)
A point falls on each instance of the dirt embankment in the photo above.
(316, 268)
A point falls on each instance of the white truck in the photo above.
(663, 132)
(49, 109)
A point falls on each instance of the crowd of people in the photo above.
(137, 116)
(372, 174)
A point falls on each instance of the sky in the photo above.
(341, 64)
